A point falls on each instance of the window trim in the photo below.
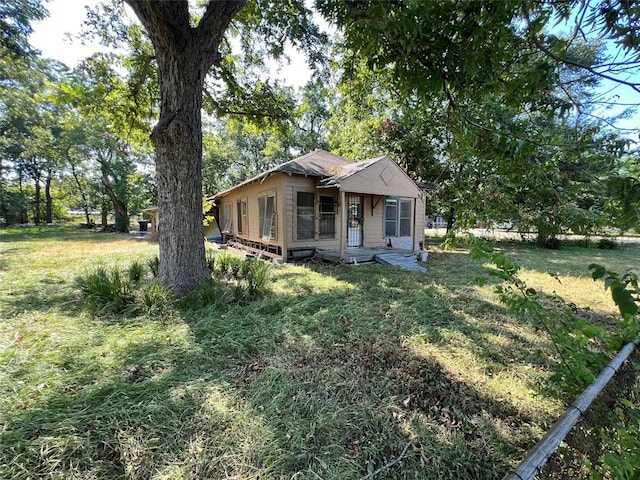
(313, 215)
(399, 218)
(262, 212)
(242, 216)
(227, 210)
(333, 215)
(406, 218)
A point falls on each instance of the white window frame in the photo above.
(397, 222)
(268, 226)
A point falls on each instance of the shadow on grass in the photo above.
(314, 380)
(50, 294)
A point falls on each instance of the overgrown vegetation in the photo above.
(605, 445)
(121, 290)
(337, 373)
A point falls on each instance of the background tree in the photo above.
(16, 18)
(30, 130)
(469, 133)
(114, 97)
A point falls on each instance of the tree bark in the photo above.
(120, 208)
(184, 55)
(23, 213)
(104, 216)
(85, 201)
(48, 200)
(37, 217)
(451, 218)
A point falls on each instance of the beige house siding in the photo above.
(418, 224)
(373, 221)
(374, 211)
(388, 178)
(381, 176)
(298, 183)
(251, 192)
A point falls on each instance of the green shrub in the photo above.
(607, 244)
(258, 275)
(107, 291)
(154, 265)
(223, 261)
(235, 264)
(156, 300)
(211, 260)
(135, 272)
(246, 267)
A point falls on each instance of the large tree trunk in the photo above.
(178, 144)
(184, 55)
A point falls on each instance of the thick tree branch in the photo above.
(166, 21)
(212, 26)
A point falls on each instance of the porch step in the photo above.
(398, 260)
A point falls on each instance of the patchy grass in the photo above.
(335, 373)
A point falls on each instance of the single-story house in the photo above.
(322, 201)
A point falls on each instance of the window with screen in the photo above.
(267, 210)
(305, 207)
(327, 214)
(397, 217)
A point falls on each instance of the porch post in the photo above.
(343, 222)
(414, 227)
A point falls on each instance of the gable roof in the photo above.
(318, 163)
(378, 176)
(347, 171)
(336, 172)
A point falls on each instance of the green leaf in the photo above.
(597, 271)
(624, 300)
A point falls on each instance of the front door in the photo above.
(354, 220)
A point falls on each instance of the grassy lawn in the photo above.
(336, 373)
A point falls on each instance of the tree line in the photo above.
(498, 113)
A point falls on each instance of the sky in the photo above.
(50, 35)
(56, 37)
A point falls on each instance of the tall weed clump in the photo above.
(248, 278)
(256, 276)
(135, 272)
(154, 265)
(107, 291)
(156, 300)
(122, 291)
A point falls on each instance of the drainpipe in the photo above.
(539, 455)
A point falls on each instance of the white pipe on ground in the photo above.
(539, 455)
